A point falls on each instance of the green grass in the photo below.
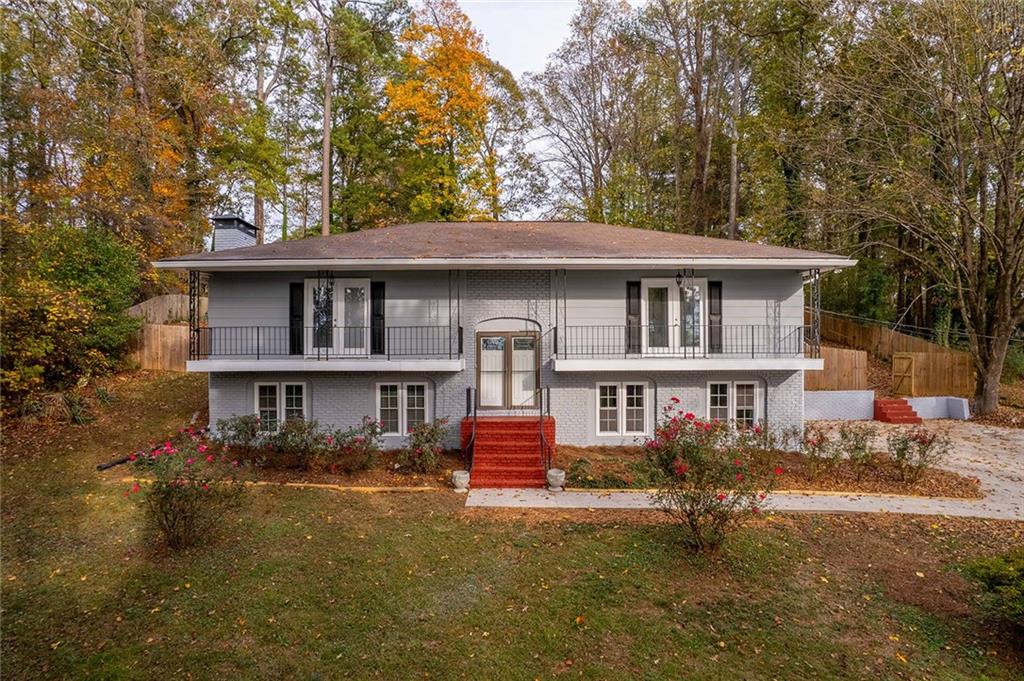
(316, 584)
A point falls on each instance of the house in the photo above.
(520, 333)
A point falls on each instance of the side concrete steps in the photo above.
(895, 410)
(507, 450)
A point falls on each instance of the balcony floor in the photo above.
(724, 363)
(333, 364)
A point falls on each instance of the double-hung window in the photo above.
(276, 403)
(402, 406)
(734, 401)
(622, 408)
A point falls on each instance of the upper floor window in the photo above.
(673, 315)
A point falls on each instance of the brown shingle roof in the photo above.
(504, 241)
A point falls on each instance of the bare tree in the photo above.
(930, 139)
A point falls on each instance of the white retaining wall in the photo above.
(941, 407)
(858, 405)
(839, 405)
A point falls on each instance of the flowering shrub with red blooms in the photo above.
(352, 449)
(855, 444)
(819, 450)
(185, 486)
(422, 453)
(914, 451)
(703, 477)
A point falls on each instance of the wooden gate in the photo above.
(903, 374)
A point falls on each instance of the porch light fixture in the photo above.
(679, 279)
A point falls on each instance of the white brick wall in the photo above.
(513, 300)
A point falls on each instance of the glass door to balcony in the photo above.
(337, 317)
(673, 316)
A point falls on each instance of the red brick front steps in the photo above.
(507, 451)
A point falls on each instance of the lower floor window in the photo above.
(277, 403)
(621, 408)
(402, 406)
(733, 401)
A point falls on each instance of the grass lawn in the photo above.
(318, 584)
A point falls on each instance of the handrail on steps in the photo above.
(467, 450)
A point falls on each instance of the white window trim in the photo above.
(733, 406)
(305, 398)
(731, 398)
(403, 404)
(620, 408)
(280, 385)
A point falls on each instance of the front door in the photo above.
(507, 366)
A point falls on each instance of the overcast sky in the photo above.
(520, 34)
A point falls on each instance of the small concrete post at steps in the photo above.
(556, 479)
(460, 481)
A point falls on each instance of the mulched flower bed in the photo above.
(383, 474)
(614, 467)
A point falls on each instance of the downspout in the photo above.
(764, 377)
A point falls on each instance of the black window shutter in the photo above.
(715, 316)
(295, 317)
(633, 316)
(377, 317)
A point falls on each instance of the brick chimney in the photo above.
(231, 231)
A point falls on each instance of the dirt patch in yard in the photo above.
(385, 473)
(616, 467)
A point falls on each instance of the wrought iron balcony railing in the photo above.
(701, 341)
(326, 342)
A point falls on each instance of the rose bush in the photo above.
(702, 474)
(914, 451)
(185, 486)
(353, 449)
(422, 453)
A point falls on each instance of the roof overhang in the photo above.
(315, 264)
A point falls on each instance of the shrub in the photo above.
(64, 296)
(188, 490)
(703, 478)
(353, 449)
(296, 444)
(239, 431)
(855, 442)
(914, 451)
(422, 454)
(1002, 579)
(818, 450)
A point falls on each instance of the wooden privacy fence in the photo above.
(919, 367)
(172, 307)
(879, 340)
(161, 347)
(916, 374)
(844, 370)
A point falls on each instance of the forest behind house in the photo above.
(891, 131)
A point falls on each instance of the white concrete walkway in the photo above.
(993, 455)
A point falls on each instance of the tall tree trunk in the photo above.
(325, 171)
(734, 162)
(261, 98)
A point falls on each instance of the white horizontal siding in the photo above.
(748, 296)
(261, 299)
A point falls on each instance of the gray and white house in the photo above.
(587, 329)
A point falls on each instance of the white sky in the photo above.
(520, 34)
